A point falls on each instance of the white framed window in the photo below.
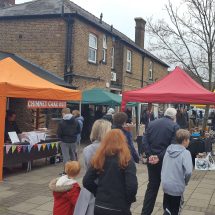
(150, 70)
(104, 50)
(92, 54)
(112, 57)
(128, 62)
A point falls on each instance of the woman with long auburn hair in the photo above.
(86, 201)
(112, 176)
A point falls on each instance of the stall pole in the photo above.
(139, 116)
(80, 107)
(79, 142)
(3, 103)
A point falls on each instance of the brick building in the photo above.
(61, 37)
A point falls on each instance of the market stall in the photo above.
(18, 82)
(97, 96)
(176, 88)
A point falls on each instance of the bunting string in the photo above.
(24, 148)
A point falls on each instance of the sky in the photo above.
(121, 13)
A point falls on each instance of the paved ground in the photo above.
(28, 193)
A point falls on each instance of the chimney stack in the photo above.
(101, 16)
(6, 3)
(140, 31)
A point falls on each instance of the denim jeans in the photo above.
(68, 151)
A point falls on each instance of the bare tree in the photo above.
(188, 39)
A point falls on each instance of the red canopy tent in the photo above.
(176, 87)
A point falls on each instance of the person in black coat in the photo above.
(129, 114)
(159, 135)
(147, 118)
(10, 124)
(109, 115)
(68, 130)
(212, 117)
(181, 119)
(112, 176)
(119, 120)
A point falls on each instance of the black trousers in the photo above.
(171, 204)
(154, 174)
(102, 211)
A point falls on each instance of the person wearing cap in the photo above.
(159, 135)
(109, 115)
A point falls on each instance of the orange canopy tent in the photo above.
(18, 82)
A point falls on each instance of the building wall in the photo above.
(41, 41)
(159, 71)
(132, 80)
(81, 66)
(118, 63)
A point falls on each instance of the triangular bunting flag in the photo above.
(44, 146)
(29, 148)
(36, 146)
(19, 149)
(48, 145)
(24, 148)
(39, 147)
(53, 145)
(13, 149)
(8, 148)
(57, 144)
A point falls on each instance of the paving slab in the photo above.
(200, 196)
(207, 186)
(203, 191)
(46, 207)
(23, 207)
(39, 212)
(6, 194)
(28, 194)
(212, 201)
(198, 202)
(188, 212)
(40, 199)
(4, 188)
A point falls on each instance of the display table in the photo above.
(25, 154)
(199, 145)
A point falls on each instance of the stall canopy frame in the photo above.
(18, 82)
(98, 96)
(176, 87)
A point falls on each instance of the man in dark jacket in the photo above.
(109, 115)
(159, 135)
(67, 132)
(119, 120)
(147, 118)
(10, 124)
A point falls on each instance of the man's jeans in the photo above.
(68, 151)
